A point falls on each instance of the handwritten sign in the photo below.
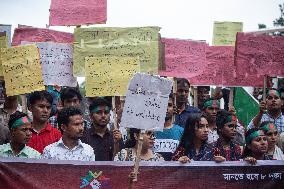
(21, 70)
(109, 76)
(165, 145)
(224, 33)
(121, 42)
(77, 12)
(221, 70)
(56, 63)
(146, 102)
(258, 54)
(7, 29)
(184, 58)
(40, 35)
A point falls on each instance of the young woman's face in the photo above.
(148, 139)
(272, 136)
(229, 130)
(259, 144)
(201, 130)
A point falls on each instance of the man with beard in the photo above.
(167, 140)
(70, 147)
(104, 142)
(273, 114)
(183, 108)
(43, 133)
(210, 108)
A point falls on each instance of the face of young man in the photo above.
(212, 111)
(75, 128)
(182, 93)
(273, 101)
(22, 134)
(41, 110)
(101, 116)
(72, 102)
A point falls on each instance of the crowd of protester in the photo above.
(203, 133)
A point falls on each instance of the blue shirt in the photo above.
(180, 119)
(167, 141)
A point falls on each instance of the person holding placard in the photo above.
(99, 136)
(70, 147)
(20, 128)
(130, 153)
(193, 144)
(270, 130)
(183, 108)
(270, 110)
(43, 133)
(167, 140)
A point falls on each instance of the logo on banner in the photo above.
(96, 180)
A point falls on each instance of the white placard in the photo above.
(146, 102)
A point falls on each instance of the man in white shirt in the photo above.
(70, 147)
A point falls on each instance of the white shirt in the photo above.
(59, 151)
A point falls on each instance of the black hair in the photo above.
(222, 119)
(99, 102)
(40, 95)
(65, 114)
(15, 116)
(183, 81)
(131, 142)
(171, 96)
(247, 151)
(189, 130)
(70, 92)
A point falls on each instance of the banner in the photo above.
(40, 35)
(146, 102)
(109, 76)
(21, 70)
(259, 54)
(224, 33)
(77, 12)
(50, 174)
(142, 42)
(184, 58)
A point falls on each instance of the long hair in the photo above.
(131, 142)
(187, 139)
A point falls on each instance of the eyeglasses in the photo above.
(150, 134)
(275, 133)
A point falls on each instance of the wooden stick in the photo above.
(195, 98)
(231, 97)
(24, 103)
(114, 113)
(175, 95)
(138, 154)
(264, 88)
